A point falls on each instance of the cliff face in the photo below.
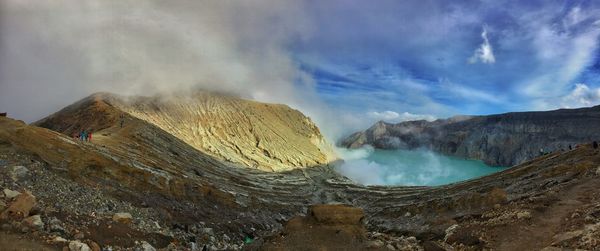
(264, 136)
(500, 140)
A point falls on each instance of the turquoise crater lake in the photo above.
(370, 166)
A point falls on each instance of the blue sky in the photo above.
(345, 63)
(443, 58)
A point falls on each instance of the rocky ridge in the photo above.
(499, 140)
(180, 198)
(257, 135)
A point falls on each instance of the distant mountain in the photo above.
(501, 140)
(269, 137)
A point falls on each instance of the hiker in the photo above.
(570, 148)
(122, 120)
(90, 136)
(541, 151)
(595, 145)
(81, 135)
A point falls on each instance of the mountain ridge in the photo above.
(500, 139)
(271, 137)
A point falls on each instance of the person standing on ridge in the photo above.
(90, 136)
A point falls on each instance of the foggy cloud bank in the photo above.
(53, 53)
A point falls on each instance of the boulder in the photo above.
(55, 226)
(10, 193)
(59, 240)
(524, 215)
(94, 246)
(33, 222)
(18, 173)
(337, 214)
(147, 247)
(20, 207)
(450, 231)
(78, 246)
(124, 218)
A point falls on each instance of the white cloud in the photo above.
(394, 117)
(484, 53)
(564, 50)
(580, 96)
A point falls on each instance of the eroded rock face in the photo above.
(499, 140)
(270, 137)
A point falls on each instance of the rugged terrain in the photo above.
(499, 140)
(140, 186)
(253, 134)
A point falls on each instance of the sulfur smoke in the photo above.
(53, 53)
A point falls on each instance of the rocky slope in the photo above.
(139, 185)
(257, 135)
(500, 140)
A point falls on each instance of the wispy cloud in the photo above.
(394, 117)
(485, 53)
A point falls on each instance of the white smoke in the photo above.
(53, 53)
(368, 166)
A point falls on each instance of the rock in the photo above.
(55, 225)
(598, 170)
(390, 247)
(207, 231)
(337, 214)
(18, 173)
(78, 236)
(450, 231)
(524, 215)
(10, 193)
(124, 218)
(2, 205)
(59, 240)
(407, 214)
(147, 247)
(463, 237)
(34, 222)
(94, 246)
(78, 246)
(375, 244)
(20, 207)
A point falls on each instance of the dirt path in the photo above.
(538, 232)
